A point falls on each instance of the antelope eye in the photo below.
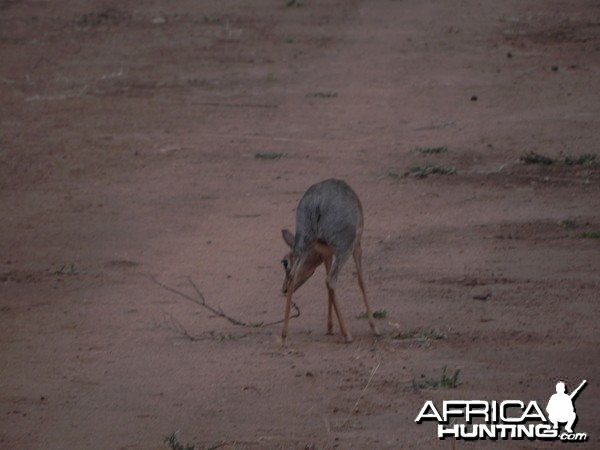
(285, 263)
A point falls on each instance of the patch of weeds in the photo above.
(221, 337)
(379, 314)
(394, 174)
(424, 170)
(271, 77)
(580, 160)
(431, 150)
(212, 336)
(419, 334)
(269, 155)
(536, 158)
(293, 4)
(445, 381)
(322, 94)
(194, 81)
(174, 444)
(590, 235)
(211, 19)
(66, 270)
(567, 224)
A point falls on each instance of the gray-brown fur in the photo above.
(329, 224)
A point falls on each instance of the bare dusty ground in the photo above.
(171, 141)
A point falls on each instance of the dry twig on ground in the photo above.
(172, 323)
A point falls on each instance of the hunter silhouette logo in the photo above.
(560, 406)
(507, 419)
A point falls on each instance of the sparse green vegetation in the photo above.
(269, 155)
(293, 4)
(570, 224)
(536, 158)
(394, 174)
(567, 224)
(431, 150)
(210, 19)
(379, 314)
(424, 170)
(66, 270)
(590, 235)
(445, 381)
(419, 334)
(174, 444)
(322, 94)
(195, 81)
(580, 160)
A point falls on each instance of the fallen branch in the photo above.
(171, 323)
(201, 301)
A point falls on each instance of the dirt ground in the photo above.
(170, 141)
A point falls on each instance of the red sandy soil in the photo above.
(133, 138)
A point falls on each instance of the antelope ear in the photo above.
(288, 237)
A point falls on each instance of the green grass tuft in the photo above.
(580, 160)
(269, 155)
(445, 381)
(567, 224)
(379, 314)
(322, 94)
(66, 270)
(431, 150)
(174, 444)
(419, 334)
(590, 235)
(536, 158)
(424, 170)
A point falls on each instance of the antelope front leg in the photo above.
(357, 254)
(327, 261)
(329, 321)
(286, 317)
(338, 313)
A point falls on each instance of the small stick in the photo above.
(355, 408)
(218, 312)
